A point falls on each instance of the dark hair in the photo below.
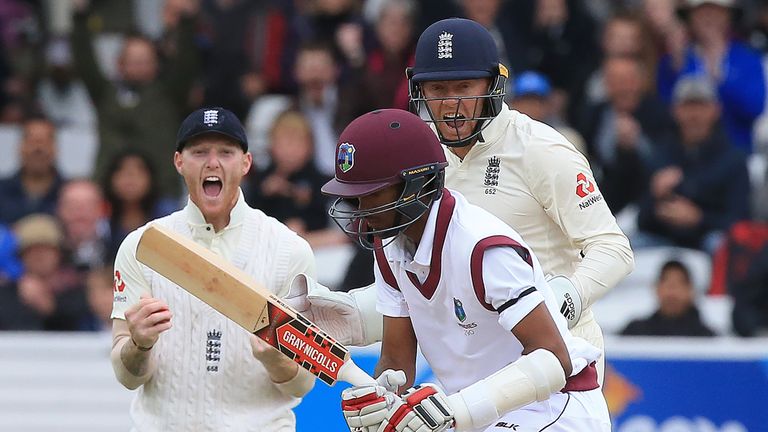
(148, 201)
(674, 264)
(33, 115)
(321, 46)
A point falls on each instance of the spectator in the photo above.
(337, 24)
(623, 131)
(86, 231)
(250, 38)
(289, 188)
(380, 82)
(432, 11)
(61, 94)
(557, 38)
(6, 98)
(10, 266)
(99, 290)
(317, 74)
(699, 184)
(667, 32)
(142, 107)
(623, 36)
(488, 13)
(758, 35)
(132, 195)
(735, 68)
(530, 95)
(750, 298)
(20, 38)
(677, 314)
(48, 295)
(34, 188)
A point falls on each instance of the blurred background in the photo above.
(660, 95)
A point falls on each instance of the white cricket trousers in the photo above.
(577, 411)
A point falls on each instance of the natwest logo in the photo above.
(584, 186)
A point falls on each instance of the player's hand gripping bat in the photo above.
(239, 297)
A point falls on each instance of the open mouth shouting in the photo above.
(455, 120)
(212, 186)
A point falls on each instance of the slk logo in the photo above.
(584, 186)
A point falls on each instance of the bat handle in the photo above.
(351, 373)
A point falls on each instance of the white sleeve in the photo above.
(509, 285)
(302, 260)
(561, 180)
(129, 280)
(389, 301)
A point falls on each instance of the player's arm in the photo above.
(288, 377)
(137, 319)
(562, 181)
(84, 55)
(365, 407)
(398, 349)
(508, 284)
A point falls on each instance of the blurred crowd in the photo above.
(666, 98)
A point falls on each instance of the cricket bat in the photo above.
(245, 301)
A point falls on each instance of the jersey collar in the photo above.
(236, 216)
(492, 134)
(495, 129)
(429, 254)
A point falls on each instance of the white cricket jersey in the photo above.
(207, 377)
(469, 282)
(528, 175)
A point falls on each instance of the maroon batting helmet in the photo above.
(381, 149)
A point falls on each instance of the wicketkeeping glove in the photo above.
(350, 317)
(568, 299)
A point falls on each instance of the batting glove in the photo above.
(366, 407)
(424, 409)
(568, 299)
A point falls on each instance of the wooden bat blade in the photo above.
(235, 294)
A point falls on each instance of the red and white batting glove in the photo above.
(424, 409)
(366, 407)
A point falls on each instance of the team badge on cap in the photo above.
(445, 45)
(210, 117)
(346, 157)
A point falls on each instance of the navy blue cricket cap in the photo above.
(455, 49)
(211, 120)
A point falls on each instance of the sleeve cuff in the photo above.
(511, 316)
(392, 311)
(297, 386)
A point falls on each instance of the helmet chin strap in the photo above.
(474, 137)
